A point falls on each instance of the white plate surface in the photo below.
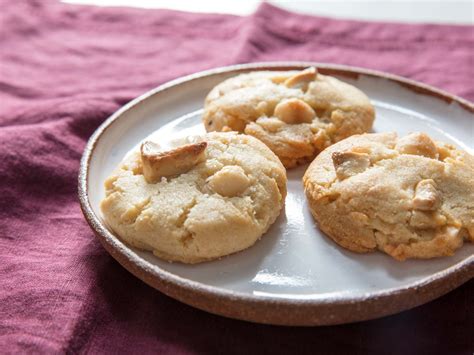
(294, 260)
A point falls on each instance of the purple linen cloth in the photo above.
(66, 68)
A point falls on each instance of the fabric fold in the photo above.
(63, 70)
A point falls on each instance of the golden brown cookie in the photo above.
(409, 197)
(213, 196)
(295, 113)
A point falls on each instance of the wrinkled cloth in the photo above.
(64, 69)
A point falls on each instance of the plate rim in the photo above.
(328, 308)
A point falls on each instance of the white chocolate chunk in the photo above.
(426, 196)
(262, 107)
(452, 231)
(293, 111)
(417, 144)
(302, 78)
(349, 163)
(270, 124)
(424, 220)
(157, 163)
(230, 181)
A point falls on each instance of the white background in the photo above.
(440, 11)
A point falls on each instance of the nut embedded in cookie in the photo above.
(349, 163)
(230, 181)
(158, 163)
(427, 198)
(302, 78)
(417, 144)
(294, 111)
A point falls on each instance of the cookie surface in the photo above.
(219, 199)
(409, 197)
(295, 113)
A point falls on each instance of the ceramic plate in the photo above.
(294, 275)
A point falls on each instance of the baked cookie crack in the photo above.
(185, 213)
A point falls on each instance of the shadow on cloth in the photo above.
(125, 313)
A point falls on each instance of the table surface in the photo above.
(440, 11)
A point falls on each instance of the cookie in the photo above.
(410, 197)
(296, 114)
(199, 200)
